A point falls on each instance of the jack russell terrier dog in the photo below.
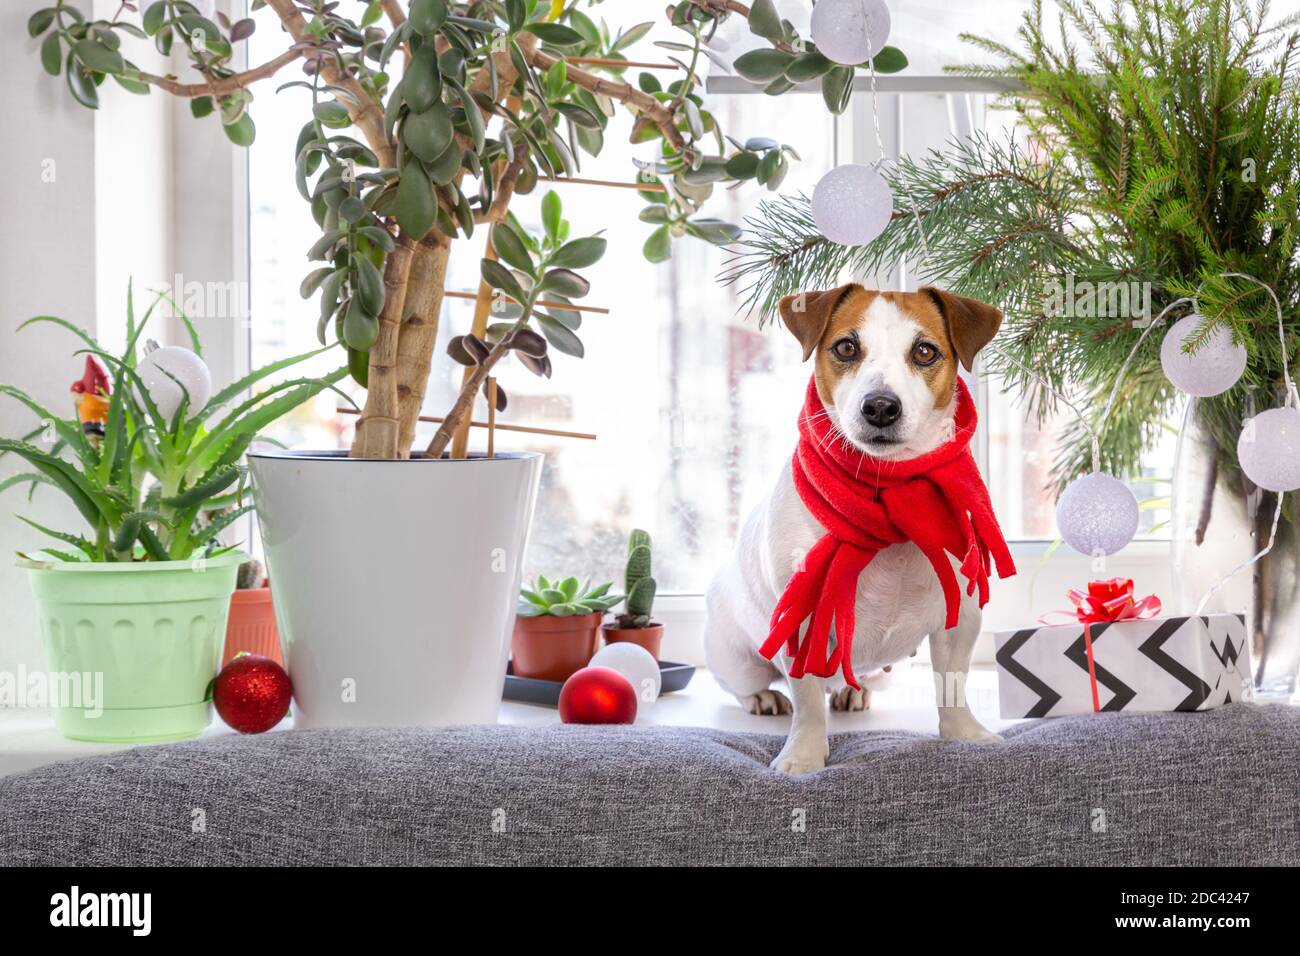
(886, 394)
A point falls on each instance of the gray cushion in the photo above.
(1203, 788)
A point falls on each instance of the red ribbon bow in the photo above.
(1112, 600)
(1103, 603)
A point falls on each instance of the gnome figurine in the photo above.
(91, 393)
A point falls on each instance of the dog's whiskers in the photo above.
(831, 436)
(814, 419)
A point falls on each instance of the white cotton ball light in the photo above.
(164, 371)
(852, 204)
(850, 31)
(1097, 514)
(1269, 449)
(1212, 369)
(636, 664)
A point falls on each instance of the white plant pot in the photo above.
(395, 582)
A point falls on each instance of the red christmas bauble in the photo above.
(597, 695)
(252, 693)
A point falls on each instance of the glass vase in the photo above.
(1219, 521)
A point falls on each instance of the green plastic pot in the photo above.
(148, 633)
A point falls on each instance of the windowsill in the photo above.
(907, 705)
(28, 739)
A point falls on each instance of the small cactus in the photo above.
(638, 583)
(250, 575)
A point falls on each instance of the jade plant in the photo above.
(541, 272)
(495, 96)
(565, 598)
(149, 487)
(638, 605)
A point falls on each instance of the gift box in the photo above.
(1121, 654)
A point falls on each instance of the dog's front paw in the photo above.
(803, 753)
(771, 702)
(796, 762)
(849, 699)
(960, 724)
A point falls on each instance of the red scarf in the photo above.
(938, 502)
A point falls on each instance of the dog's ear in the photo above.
(806, 314)
(971, 323)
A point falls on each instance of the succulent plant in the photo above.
(565, 598)
(640, 586)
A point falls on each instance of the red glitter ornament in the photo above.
(597, 695)
(252, 693)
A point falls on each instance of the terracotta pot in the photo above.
(649, 637)
(552, 648)
(251, 626)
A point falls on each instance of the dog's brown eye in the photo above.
(923, 353)
(846, 350)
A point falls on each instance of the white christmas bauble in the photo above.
(1212, 369)
(165, 370)
(852, 204)
(1269, 449)
(636, 664)
(850, 31)
(1097, 514)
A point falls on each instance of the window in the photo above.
(694, 406)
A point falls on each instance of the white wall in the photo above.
(47, 266)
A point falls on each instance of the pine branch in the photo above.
(984, 208)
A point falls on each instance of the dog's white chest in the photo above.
(899, 602)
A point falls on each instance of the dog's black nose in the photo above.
(881, 409)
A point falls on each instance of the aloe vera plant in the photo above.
(151, 488)
(565, 598)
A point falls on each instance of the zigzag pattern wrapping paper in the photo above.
(1164, 663)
